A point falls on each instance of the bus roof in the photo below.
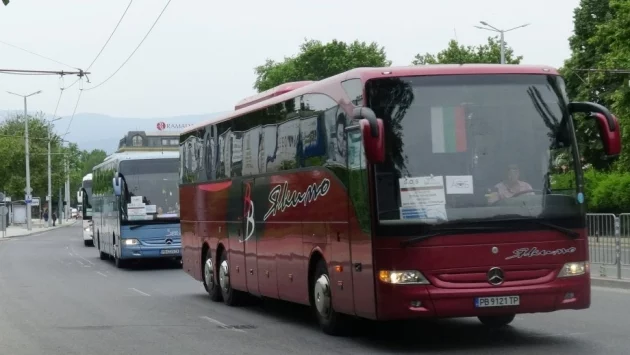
(139, 155)
(87, 177)
(366, 74)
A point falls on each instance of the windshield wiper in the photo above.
(446, 231)
(137, 226)
(568, 232)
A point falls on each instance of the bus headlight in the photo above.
(403, 277)
(574, 269)
(132, 241)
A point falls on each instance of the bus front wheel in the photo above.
(497, 321)
(330, 321)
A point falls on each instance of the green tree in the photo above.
(611, 38)
(5, 2)
(587, 52)
(455, 53)
(12, 157)
(317, 60)
(91, 159)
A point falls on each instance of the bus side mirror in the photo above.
(609, 129)
(373, 133)
(117, 184)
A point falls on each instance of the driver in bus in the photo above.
(510, 187)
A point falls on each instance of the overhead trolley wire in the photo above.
(134, 51)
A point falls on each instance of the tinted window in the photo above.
(354, 90)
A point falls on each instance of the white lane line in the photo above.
(140, 292)
(100, 273)
(82, 258)
(225, 326)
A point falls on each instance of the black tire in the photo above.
(497, 321)
(120, 263)
(231, 297)
(88, 243)
(214, 290)
(331, 322)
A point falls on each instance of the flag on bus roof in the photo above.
(448, 129)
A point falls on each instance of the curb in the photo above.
(611, 283)
(41, 230)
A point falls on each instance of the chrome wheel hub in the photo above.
(224, 276)
(322, 296)
(208, 273)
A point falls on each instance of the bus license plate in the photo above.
(169, 251)
(501, 301)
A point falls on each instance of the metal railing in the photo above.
(609, 240)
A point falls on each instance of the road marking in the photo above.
(100, 273)
(227, 327)
(82, 258)
(140, 292)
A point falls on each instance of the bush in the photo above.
(604, 192)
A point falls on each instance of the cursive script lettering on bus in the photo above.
(532, 252)
(282, 198)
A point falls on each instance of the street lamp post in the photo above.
(50, 174)
(28, 168)
(489, 27)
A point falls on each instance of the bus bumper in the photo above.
(152, 252)
(408, 302)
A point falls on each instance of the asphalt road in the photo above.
(57, 297)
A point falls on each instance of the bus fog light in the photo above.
(408, 277)
(132, 241)
(569, 295)
(573, 269)
(416, 304)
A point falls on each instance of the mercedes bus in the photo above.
(84, 196)
(394, 193)
(136, 206)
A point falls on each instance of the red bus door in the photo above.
(249, 237)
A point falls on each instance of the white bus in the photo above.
(84, 198)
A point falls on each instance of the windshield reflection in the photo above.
(473, 147)
(155, 181)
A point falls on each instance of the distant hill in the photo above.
(96, 131)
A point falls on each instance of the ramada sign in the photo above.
(168, 126)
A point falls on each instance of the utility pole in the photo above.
(27, 198)
(49, 197)
(67, 209)
(491, 28)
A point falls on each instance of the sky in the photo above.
(200, 56)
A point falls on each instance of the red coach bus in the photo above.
(395, 193)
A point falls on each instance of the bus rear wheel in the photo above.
(209, 283)
(497, 321)
(331, 322)
(231, 297)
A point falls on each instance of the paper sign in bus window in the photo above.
(448, 129)
(425, 212)
(459, 185)
(422, 191)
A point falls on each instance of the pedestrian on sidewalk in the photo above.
(54, 217)
(46, 215)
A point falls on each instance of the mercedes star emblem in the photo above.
(495, 250)
(169, 241)
(495, 276)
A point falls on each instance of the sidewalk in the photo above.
(38, 226)
(604, 275)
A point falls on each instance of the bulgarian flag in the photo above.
(448, 129)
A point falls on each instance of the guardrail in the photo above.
(609, 239)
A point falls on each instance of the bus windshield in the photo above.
(156, 181)
(474, 148)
